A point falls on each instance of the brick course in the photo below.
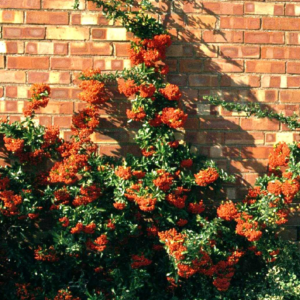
(240, 50)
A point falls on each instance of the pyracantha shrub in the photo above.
(75, 225)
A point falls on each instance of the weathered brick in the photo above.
(254, 8)
(293, 38)
(293, 67)
(248, 166)
(203, 80)
(64, 93)
(281, 23)
(259, 124)
(65, 4)
(17, 92)
(24, 4)
(23, 32)
(239, 23)
(200, 21)
(27, 62)
(49, 77)
(90, 48)
(11, 16)
(280, 52)
(67, 33)
(68, 63)
(292, 10)
(244, 138)
(46, 48)
(264, 37)
(11, 47)
(89, 19)
(240, 51)
(110, 34)
(12, 76)
(223, 37)
(47, 17)
(221, 65)
(57, 107)
(240, 80)
(121, 49)
(263, 66)
(62, 122)
(11, 106)
(289, 96)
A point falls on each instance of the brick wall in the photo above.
(240, 50)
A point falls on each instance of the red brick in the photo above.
(222, 8)
(221, 65)
(49, 77)
(259, 124)
(24, 4)
(93, 6)
(46, 48)
(247, 179)
(290, 96)
(200, 21)
(203, 80)
(57, 107)
(292, 10)
(239, 23)
(2, 63)
(240, 80)
(11, 47)
(47, 17)
(256, 152)
(32, 62)
(11, 16)
(210, 36)
(177, 20)
(280, 52)
(264, 37)
(65, 93)
(293, 38)
(179, 79)
(190, 35)
(67, 33)
(264, 96)
(62, 122)
(44, 120)
(65, 4)
(293, 67)
(89, 19)
(23, 32)
(90, 48)
(73, 63)
(248, 166)
(254, 8)
(293, 81)
(121, 49)
(240, 51)
(219, 123)
(1, 92)
(190, 65)
(244, 138)
(281, 24)
(12, 76)
(263, 66)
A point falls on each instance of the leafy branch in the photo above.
(254, 109)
